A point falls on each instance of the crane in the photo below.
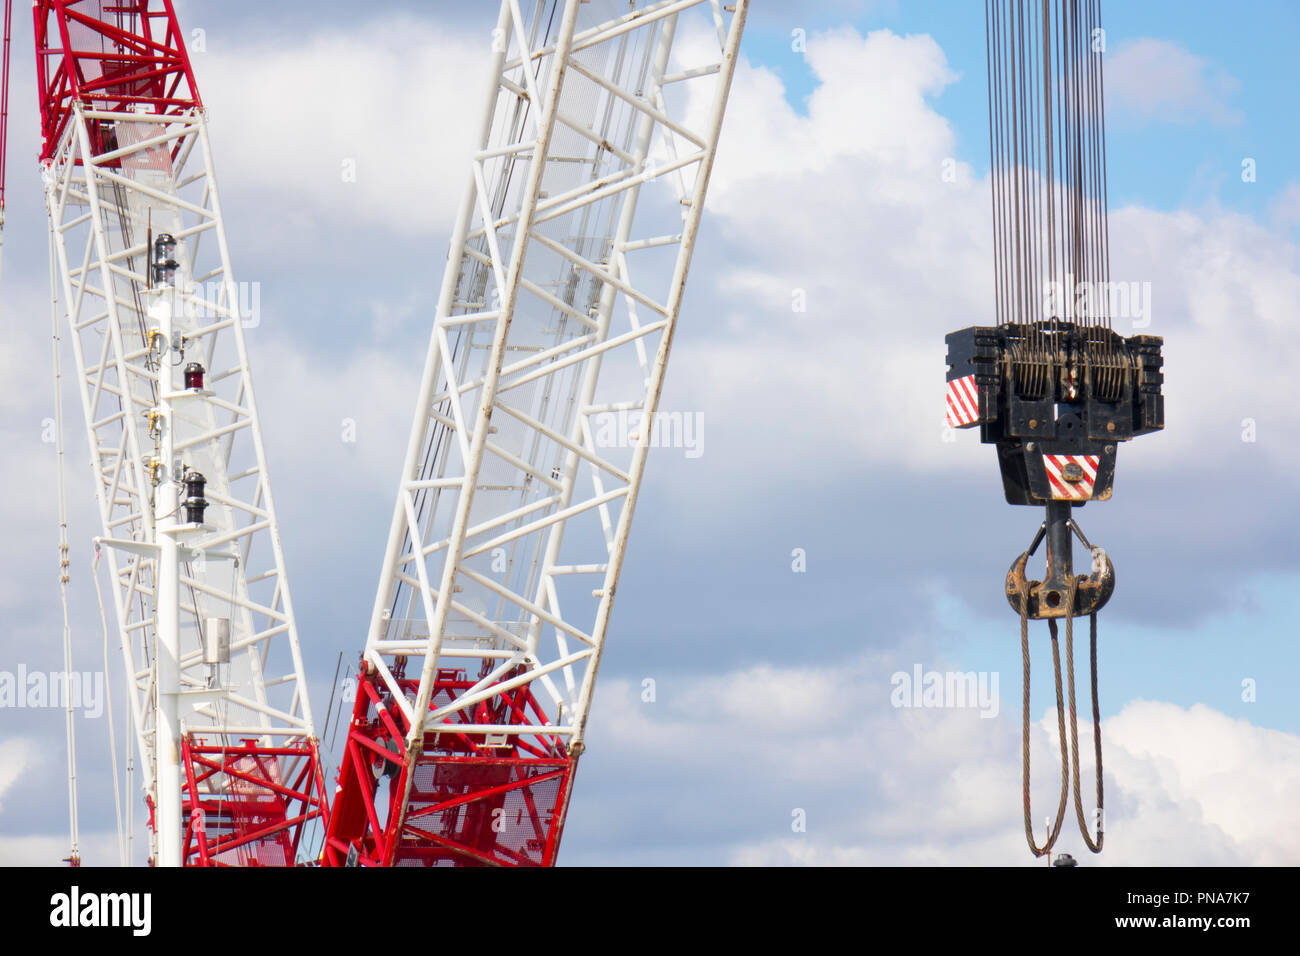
(4, 111)
(557, 309)
(143, 279)
(1052, 385)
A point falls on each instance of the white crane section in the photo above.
(132, 332)
(556, 315)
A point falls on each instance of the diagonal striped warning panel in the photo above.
(963, 402)
(1071, 477)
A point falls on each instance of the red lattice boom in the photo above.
(240, 810)
(110, 55)
(470, 804)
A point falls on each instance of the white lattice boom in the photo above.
(557, 310)
(154, 176)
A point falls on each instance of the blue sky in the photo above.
(822, 432)
(1163, 165)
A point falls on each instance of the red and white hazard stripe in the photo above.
(963, 402)
(1062, 488)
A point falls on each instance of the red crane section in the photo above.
(470, 804)
(116, 57)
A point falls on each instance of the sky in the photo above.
(832, 534)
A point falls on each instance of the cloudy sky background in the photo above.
(822, 430)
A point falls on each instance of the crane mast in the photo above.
(4, 110)
(536, 411)
(156, 322)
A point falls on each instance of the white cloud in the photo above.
(1197, 773)
(885, 786)
(1286, 206)
(1160, 81)
(856, 217)
(18, 756)
(360, 407)
(893, 132)
(399, 96)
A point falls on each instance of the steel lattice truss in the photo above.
(556, 314)
(115, 178)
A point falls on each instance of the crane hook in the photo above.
(1047, 598)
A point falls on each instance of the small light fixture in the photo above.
(194, 504)
(164, 265)
(194, 376)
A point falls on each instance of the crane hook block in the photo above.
(1049, 598)
(1056, 399)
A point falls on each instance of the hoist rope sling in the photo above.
(1069, 754)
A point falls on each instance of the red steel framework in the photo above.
(114, 56)
(472, 804)
(260, 821)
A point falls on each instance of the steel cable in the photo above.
(1094, 846)
(1055, 831)
(1070, 749)
(1047, 159)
